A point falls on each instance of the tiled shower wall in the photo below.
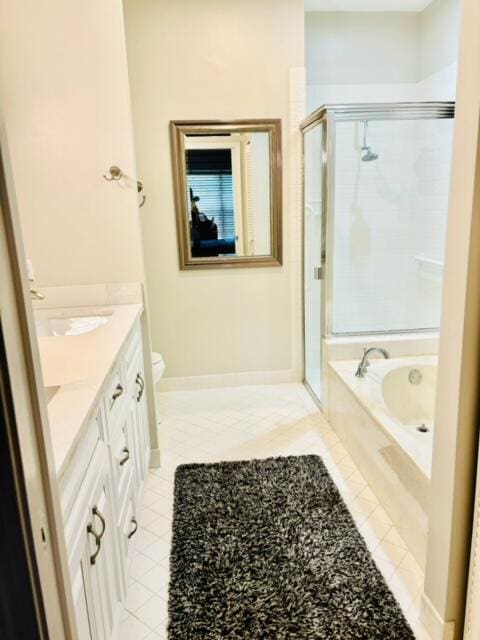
(390, 215)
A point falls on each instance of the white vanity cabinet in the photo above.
(93, 553)
(101, 492)
(138, 420)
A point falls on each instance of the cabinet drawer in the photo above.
(122, 452)
(132, 348)
(115, 400)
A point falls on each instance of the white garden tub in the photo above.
(385, 421)
(399, 393)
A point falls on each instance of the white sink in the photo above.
(75, 326)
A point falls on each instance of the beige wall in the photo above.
(457, 407)
(64, 96)
(361, 47)
(210, 60)
(439, 26)
(381, 48)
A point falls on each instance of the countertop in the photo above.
(79, 366)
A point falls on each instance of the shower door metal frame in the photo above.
(328, 116)
(321, 121)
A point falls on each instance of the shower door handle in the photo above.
(318, 273)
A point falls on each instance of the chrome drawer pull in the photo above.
(117, 393)
(98, 536)
(96, 512)
(134, 530)
(98, 542)
(127, 456)
(141, 383)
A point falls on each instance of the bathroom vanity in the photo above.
(94, 372)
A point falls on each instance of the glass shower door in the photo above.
(313, 267)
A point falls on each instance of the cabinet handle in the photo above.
(127, 456)
(134, 530)
(96, 512)
(141, 383)
(117, 393)
(98, 541)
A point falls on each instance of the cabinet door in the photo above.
(86, 598)
(134, 435)
(128, 529)
(123, 462)
(94, 558)
(142, 415)
(138, 425)
(105, 561)
(144, 436)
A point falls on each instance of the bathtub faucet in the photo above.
(362, 367)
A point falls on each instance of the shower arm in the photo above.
(365, 129)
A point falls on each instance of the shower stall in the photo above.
(376, 181)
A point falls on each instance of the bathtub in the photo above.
(399, 393)
(386, 422)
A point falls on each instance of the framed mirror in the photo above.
(228, 193)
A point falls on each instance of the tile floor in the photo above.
(242, 423)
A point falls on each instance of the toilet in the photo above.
(158, 367)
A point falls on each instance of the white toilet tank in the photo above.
(158, 366)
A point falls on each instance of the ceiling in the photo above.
(366, 5)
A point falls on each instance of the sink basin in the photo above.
(75, 326)
(50, 392)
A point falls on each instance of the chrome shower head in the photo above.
(368, 156)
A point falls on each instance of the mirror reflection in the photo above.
(228, 182)
(229, 209)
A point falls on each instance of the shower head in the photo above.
(368, 156)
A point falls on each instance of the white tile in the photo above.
(156, 579)
(137, 596)
(411, 564)
(161, 527)
(149, 497)
(153, 613)
(141, 564)
(390, 552)
(133, 629)
(144, 538)
(158, 551)
(162, 505)
(154, 636)
(243, 423)
(147, 516)
(395, 538)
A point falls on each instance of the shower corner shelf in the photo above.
(430, 264)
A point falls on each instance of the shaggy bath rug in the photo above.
(267, 550)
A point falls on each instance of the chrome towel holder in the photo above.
(115, 173)
(139, 189)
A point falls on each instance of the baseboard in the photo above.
(154, 458)
(438, 628)
(228, 380)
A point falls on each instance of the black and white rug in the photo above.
(267, 550)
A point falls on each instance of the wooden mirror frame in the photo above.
(178, 130)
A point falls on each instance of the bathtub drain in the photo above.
(415, 376)
(423, 428)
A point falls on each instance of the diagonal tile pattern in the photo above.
(243, 423)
